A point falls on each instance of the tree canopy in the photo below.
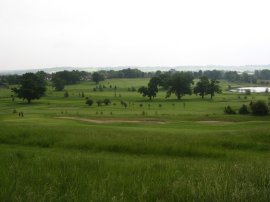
(213, 88)
(180, 84)
(31, 87)
(205, 87)
(97, 77)
(151, 90)
(202, 86)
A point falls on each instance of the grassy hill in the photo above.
(163, 150)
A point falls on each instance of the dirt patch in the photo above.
(215, 122)
(102, 121)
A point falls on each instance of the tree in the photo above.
(151, 90)
(89, 102)
(70, 77)
(213, 88)
(144, 91)
(202, 86)
(99, 102)
(58, 84)
(107, 101)
(43, 75)
(180, 84)
(259, 108)
(97, 77)
(31, 87)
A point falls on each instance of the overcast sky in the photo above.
(87, 33)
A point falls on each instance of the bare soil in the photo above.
(102, 121)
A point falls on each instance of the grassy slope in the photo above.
(48, 159)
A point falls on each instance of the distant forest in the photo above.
(72, 77)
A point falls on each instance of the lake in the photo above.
(252, 89)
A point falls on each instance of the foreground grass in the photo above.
(189, 158)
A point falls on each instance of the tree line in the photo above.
(174, 82)
(180, 84)
(63, 78)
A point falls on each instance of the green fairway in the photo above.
(159, 150)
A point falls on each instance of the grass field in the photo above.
(170, 150)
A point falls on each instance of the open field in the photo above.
(163, 150)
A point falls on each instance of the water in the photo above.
(252, 89)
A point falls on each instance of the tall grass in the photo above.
(188, 158)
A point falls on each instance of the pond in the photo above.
(251, 89)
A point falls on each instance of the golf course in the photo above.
(58, 148)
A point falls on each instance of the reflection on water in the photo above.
(251, 89)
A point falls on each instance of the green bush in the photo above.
(229, 110)
(89, 102)
(243, 109)
(259, 108)
(66, 94)
(99, 102)
(107, 101)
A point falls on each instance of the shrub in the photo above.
(124, 104)
(66, 94)
(259, 108)
(107, 101)
(99, 102)
(89, 102)
(243, 109)
(229, 110)
(100, 88)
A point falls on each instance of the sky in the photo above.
(101, 33)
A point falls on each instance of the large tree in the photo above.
(180, 84)
(31, 87)
(202, 86)
(151, 90)
(69, 77)
(97, 77)
(58, 83)
(213, 88)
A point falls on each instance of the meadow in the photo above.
(159, 150)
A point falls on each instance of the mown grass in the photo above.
(189, 158)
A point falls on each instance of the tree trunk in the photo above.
(28, 101)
